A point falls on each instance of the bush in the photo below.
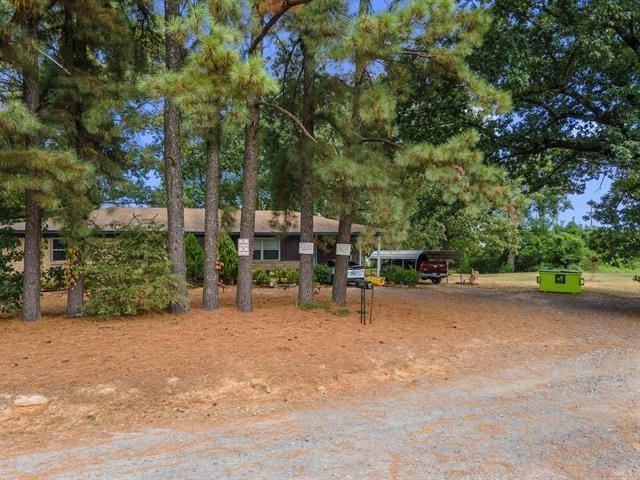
(54, 279)
(321, 273)
(130, 274)
(10, 280)
(255, 274)
(293, 277)
(262, 278)
(620, 266)
(229, 257)
(565, 250)
(194, 257)
(404, 276)
(505, 268)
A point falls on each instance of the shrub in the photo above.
(505, 268)
(54, 279)
(279, 275)
(229, 257)
(194, 257)
(130, 274)
(293, 276)
(255, 274)
(10, 280)
(404, 276)
(262, 278)
(565, 250)
(321, 273)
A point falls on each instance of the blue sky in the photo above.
(594, 190)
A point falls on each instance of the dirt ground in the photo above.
(203, 369)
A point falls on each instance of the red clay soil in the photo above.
(203, 367)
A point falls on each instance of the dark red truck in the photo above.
(433, 265)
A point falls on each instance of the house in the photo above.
(276, 235)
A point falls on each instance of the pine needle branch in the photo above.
(295, 119)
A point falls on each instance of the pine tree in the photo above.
(305, 284)
(45, 175)
(26, 166)
(172, 165)
(96, 74)
(261, 26)
(372, 165)
(212, 88)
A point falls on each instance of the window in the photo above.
(58, 250)
(266, 249)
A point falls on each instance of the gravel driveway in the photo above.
(565, 419)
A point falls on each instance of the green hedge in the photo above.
(130, 274)
(403, 276)
(10, 280)
(321, 273)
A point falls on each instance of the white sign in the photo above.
(343, 249)
(305, 248)
(243, 247)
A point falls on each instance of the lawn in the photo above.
(606, 283)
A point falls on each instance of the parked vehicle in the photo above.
(430, 264)
(355, 272)
(434, 270)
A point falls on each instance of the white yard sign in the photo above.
(305, 248)
(243, 247)
(343, 249)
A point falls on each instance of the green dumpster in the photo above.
(560, 281)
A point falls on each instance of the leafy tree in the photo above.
(565, 249)
(572, 69)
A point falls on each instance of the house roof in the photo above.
(267, 221)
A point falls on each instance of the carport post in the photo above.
(378, 263)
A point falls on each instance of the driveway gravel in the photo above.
(576, 418)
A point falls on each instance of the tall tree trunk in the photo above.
(173, 170)
(33, 214)
(74, 55)
(210, 299)
(511, 258)
(249, 204)
(31, 279)
(339, 291)
(244, 298)
(305, 289)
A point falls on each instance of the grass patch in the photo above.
(317, 305)
(327, 306)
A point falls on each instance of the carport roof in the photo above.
(415, 254)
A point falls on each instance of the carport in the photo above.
(410, 258)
